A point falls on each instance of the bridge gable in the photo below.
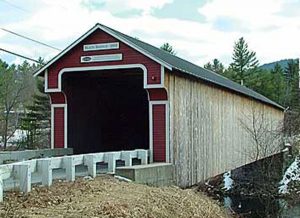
(114, 52)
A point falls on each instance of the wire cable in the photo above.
(22, 56)
(30, 39)
(15, 6)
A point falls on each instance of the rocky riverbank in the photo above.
(262, 189)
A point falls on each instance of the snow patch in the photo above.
(285, 150)
(121, 178)
(228, 182)
(291, 174)
(17, 136)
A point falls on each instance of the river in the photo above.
(261, 207)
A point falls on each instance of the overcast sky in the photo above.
(199, 30)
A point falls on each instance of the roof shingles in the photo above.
(189, 68)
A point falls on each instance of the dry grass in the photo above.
(108, 197)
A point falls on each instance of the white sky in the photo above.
(198, 30)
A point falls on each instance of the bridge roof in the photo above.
(171, 62)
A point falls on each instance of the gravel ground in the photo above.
(105, 196)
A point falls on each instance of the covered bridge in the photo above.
(112, 92)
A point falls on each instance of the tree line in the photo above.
(280, 84)
(24, 108)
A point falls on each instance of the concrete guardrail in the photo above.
(13, 156)
(22, 170)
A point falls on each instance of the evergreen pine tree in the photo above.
(278, 84)
(244, 61)
(216, 66)
(168, 48)
(36, 123)
(291, 73)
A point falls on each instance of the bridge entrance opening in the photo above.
(107, 110)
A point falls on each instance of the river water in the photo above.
(261, 207)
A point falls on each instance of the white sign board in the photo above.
(101, 46)
(101, 58)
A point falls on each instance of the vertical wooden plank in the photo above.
(205, 129)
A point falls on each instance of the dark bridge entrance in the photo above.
(107, 110)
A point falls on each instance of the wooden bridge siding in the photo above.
(205, 128)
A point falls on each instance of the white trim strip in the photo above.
(52, 127)
(159, 102)
(162, 75)
(66, 126)
(46, 81)
(98, 26)
(150, 132)
(167, 118)
(108, 67)
(168, 155)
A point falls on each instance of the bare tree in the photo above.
(265, 133)
(261, 176)
(11, 87)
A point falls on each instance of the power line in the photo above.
(15, 6)
(30, 39)
(22, 56)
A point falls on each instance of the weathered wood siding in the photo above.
(206, 135)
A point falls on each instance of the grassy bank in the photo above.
(108, 197)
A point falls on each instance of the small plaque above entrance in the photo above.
(101, 58)
(101, 46)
